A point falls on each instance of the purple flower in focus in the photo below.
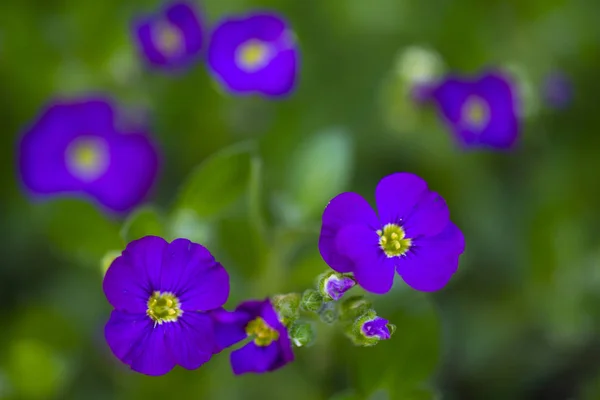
(76, 148)
(254, 53)
(161, 292)
(557, 90)
(412, 234)
(481, 112)
(269, 348)
(376, 328)
(171, 38)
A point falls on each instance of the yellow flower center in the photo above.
(87, 157)
(262, 333)
(163, 307)
(253, 55)
(392, 240)
(168, 38)
(476, 112)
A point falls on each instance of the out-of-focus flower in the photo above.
(161, 292)
(412, 234)
(256, 53)
(270, 347)
(75, 147)
(172, 38)
(480, 112)
(557, 90)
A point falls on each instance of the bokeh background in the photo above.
(249, 178)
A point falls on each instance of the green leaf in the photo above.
(186, 224)
(320, 169)
(78, 228)
(142, 222)
(218, 182)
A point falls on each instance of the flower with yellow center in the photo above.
(87, 157)
(163, 307)
(168, 38)
(253, 55)
(475, 111)
(392, 240)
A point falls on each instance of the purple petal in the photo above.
(277, 77)
(145, 258)
(192, 273)
(346, 208)
(123, 287)
(230, 327)
(125, 333)
(191, 339)
(253, 358)
(152, 356)
(376, 328)
(431, 261)
(184, 15)
(396, 196)
(428, 218)
(373, 271)
(131, 173)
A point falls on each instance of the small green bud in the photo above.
(287, 307)
(353, 307)
(311, 301)
(302, 334)
(329, 313)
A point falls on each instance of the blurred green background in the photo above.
(249, 178)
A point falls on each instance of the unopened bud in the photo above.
(369, 329)
(329, 313)
(333, 285)
(354, 306)
(287, 307)
(302, 333)
(311, 300)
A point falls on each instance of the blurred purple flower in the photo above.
(161, 292)
(412, 235)
(481, 112)
(172, 38)
(254, 53)
(74, 147)
(270, 347)
(557, 90)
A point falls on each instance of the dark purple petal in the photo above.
(431, 261)
(373, 270)
(131, 173)
(180, 16)
(230, 327)
(253, 358)
(191, 339)
(125, 333)
(346, 208)
(123, 287)
(396, 196)
(145, 258)
(428, 218)
(194, 276)
(276, 77)
(376, 328)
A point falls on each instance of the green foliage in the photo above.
(142, 222)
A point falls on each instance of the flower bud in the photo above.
(368, 329)
(353, 307)
(287, 307)
(329, 313)
(311, 300)
(302, 333)
(333, 285)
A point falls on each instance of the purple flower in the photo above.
(376, 328)
(481, 112)
(161, 292)
(75, 147)
(172, 38)
(254, 53)
(412, 234)
(557, 90)
(269, 348)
